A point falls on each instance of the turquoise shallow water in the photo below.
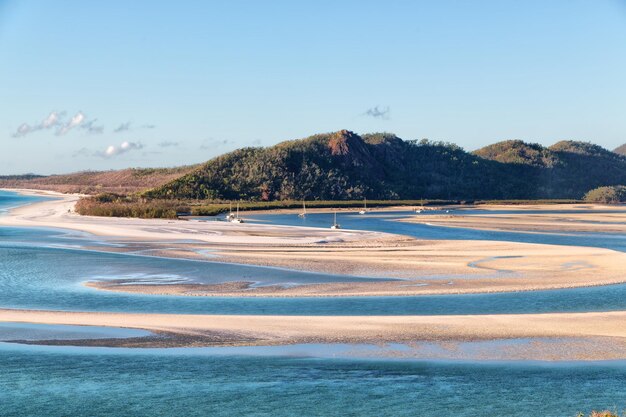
(39, 277)
(63, 383)
(385, 221)
(45, 268)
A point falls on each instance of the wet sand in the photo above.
(425, 266)
(60, 213)
(598, 335)
(593, 218)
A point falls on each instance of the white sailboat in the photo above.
(364, 207)
(237, 219)
(303, 214)
(230, 216)
(419, 210)
(335, 224)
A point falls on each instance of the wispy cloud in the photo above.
(168, 144)
(114, 150)
(122, 128)
(23, 130)
(83, 152)
(75, 121)
(128, 126)
(378, 113)
(52, 120)
(213, 143)
(91, 127)
(56, 120)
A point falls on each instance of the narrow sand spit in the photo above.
(590, 329)
(570, 218)
(59, 213)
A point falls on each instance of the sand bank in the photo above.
(569, 219)
(59, 213)
(425, 266)
(607, 328)
(428, 267)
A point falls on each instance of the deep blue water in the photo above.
(45, 269)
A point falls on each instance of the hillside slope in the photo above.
(343, 165)
(567, 169)
(620, 150)
(90, 182)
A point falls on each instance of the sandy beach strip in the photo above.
(59, 213)
(238, 330)
(571, 218)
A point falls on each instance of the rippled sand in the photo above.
(426, 266)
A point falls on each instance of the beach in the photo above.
(584, 217)
(603, 335)
(419, 266)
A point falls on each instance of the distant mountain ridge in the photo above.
(343, 165)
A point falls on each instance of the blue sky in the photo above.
(112, 84)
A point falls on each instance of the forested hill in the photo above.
(344, 165)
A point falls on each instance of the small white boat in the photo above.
(230, 214)
(364, 211)
(303, 214)
(335, 225)
(236, 219)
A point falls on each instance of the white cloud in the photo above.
(56, 119)
(75, 121)
(52, 120)
(113, 150)
(23, 130)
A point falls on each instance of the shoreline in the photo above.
(419, 267)
(601, 335)
(609, 219)
(470, 266)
